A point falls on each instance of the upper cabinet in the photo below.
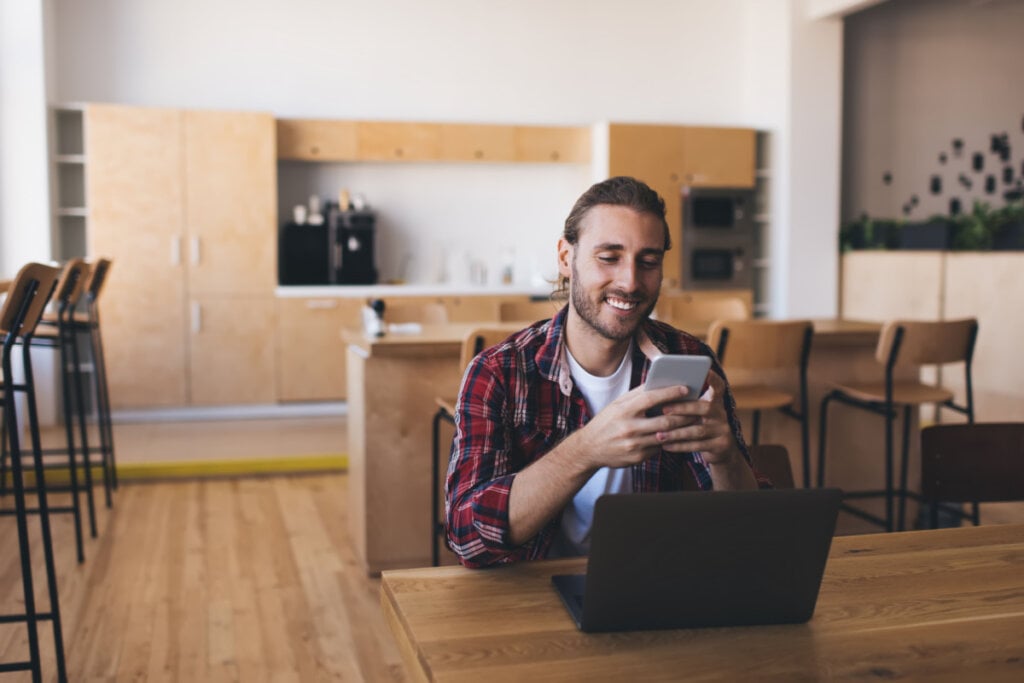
(322, 140)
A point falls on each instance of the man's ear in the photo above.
(564, 257)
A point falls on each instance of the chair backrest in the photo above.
(432, 313)
(761, 344)
(695, 315)
(915, 342)
(977, 462)
(772, 460)
(72, 284)
(100, 268)
(26, 299)
(527, 311)
(481, 338)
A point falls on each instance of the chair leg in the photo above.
(933, 514)
(435, 484)
(69, 436)
(103, 408)
(21, 518)
(822, 425)
(889, 492)
(907, 411)
(76, 364)
(805, 448)
(44, 519)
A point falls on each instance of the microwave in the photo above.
(718, 236)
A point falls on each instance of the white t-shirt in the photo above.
(573, 536)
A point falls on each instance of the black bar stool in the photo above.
(19, 315)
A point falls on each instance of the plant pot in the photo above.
(931, 235)
(1009, 237)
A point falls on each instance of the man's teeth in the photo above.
(621, 305)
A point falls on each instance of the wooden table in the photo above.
(943, 605)
(393, 381)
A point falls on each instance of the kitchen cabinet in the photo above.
(340, 140)
(310, 356)
(669, 157)
(184, 202)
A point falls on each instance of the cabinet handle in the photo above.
(196, 255)
(321, 303)
(176, 250)
(197, 318)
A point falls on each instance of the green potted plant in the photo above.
(1007, 226)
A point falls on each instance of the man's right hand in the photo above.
(625, 432)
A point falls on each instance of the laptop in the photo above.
(695, 559)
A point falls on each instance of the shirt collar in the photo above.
(553, 364)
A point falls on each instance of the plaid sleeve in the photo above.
(479, 474)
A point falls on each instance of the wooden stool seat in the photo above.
(761, 398)
(903, 393)
(446, 404)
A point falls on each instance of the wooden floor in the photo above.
(220, 580)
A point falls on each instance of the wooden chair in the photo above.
(57, 331)
(695, 315)
(432, 313)
(971, 463)
(527, 312)
(759, 346)
(772, 460)
(19, 314)
(903, 342)
(473, 343)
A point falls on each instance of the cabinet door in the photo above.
(553, 144)
(463, 142)
(719, 157)
(231, 202)
(135, 198)
(655, 155)
(316, 140)
(310, 351)
(387, 141)
(231, 350)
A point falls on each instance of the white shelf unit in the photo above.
(762, 219)
(70, 212)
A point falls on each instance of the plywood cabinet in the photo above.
(393, 141)
(316, 140)
(669, 157)
(310, 355)
(185, 205)
(560, 144)
(135, 195)
(464, 142)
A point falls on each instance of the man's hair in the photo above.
(617, 191)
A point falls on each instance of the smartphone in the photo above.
(672, 370)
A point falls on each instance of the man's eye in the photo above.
(607, 259)
(650, 264)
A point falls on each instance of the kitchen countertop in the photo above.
(304, 291)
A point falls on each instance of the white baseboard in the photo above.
(234, 412)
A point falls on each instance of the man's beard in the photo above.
(590, 311)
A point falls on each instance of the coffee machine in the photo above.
(338, 251)
(351, 236)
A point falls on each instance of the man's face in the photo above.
(614, 269)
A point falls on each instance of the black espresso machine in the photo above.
(338, 251)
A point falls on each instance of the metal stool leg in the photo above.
(904, 467)
(69, 435)
(76, 363)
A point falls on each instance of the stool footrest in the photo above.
(22, 618)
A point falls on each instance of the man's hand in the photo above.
(707, 431)
(624, 434)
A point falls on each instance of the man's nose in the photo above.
(625, 276)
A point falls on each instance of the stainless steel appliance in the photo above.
(718, 236)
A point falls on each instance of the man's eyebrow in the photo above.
(614, 246)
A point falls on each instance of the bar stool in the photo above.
(19, 315)
(767, 345)
(472, 344)
(527, 312)
(903, 342)
(90, 322)
(55, 331)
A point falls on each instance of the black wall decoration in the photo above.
(978, 162)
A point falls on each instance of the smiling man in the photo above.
(556, 415)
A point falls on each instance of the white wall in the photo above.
(24, 173)
(567, 62)
(919, 75)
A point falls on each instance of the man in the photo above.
(556, 415)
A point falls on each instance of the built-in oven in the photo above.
(718, 235)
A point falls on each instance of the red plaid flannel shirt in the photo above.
(518, 402)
